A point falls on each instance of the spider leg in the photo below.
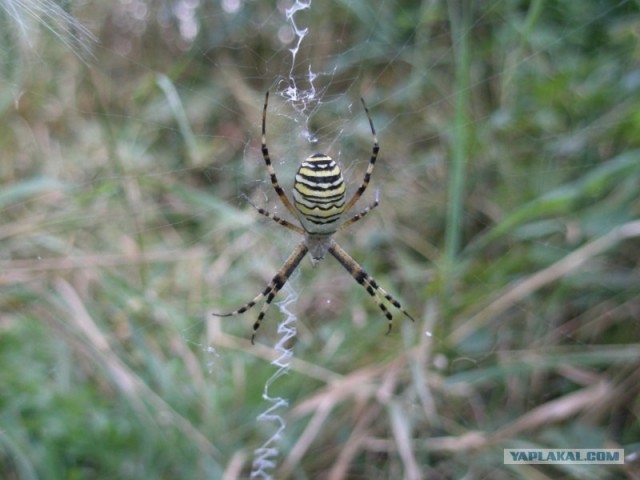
(368, 282)
(359, 216)
(372, 163)
(267, 160)
(274, 286)
(275, 218)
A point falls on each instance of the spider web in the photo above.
(266, 454)
(92, 239)
(299, 99)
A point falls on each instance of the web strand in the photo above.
(265, 456)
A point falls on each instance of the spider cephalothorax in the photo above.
(318, 203)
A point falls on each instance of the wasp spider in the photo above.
(319, 204)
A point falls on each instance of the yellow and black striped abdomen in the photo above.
(318, 194)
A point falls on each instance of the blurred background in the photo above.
(508, 176)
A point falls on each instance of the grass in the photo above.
(508, 226)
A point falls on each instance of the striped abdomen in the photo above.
(318, 194)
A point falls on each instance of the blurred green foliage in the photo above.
(130, 132)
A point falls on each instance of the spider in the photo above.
(318, 204)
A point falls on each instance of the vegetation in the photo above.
(508, 226)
